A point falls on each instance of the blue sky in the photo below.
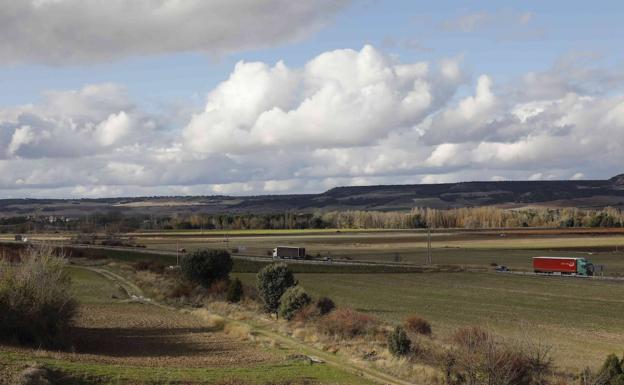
(555, 29)
(157, 76)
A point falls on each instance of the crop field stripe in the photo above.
(261, 374)
(340, 365)
(559, 311)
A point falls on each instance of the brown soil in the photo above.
(146, 335)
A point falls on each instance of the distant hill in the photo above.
(508, 194)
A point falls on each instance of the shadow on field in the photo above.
(147, 342)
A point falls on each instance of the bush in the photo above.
(419, 325)
(235, 291)
(36, 305)
(293, 300)
(398, 342)
(218, 288)
(346, 323)
(207, 266)
(471, 338)
(612, 371)
(325, 305)
(273, 281)
(307, 313)
(182, 289)
(480, 358)
(151, 265)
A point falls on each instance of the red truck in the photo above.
(563, 265)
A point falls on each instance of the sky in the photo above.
(244, 97)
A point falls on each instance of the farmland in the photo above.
(581, 320)
(513, 248)
(121, 341)
(571, 315)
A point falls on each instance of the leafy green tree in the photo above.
(235, 291)
(399, 343)
(293, 300)
(273, 281)
(207, 266)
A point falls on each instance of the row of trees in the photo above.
(276, 284)
(469, 218)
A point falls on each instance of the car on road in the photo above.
(502, 269)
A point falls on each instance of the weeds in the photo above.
(36, 305)
(346, 323)
(418, 325)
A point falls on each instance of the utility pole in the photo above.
(429, 262)
(177, 254)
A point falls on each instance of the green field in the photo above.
(480, 249)
(580, 319)
(148, 361)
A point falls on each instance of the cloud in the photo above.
(83, 122)
(88, 31)
(340, 98)
(344, 117)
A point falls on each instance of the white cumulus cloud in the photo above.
(341, 98)
(344, 117)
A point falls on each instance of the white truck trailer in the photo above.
(289, 252)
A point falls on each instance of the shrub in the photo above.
(471, 338)
(207, 266)
(293, 300)
(218, 288)
(325, 305)
(479, 357)
(419, 325)
(182, 289)
(36, 305)
(307, 313)
(152, 266)
(398, 342)
(235, 291)
(346, 323)
(273, 281)
(612, 371)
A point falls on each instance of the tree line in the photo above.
(417, 218)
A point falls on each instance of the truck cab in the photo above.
(584, 267)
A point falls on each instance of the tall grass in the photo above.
(36, 304)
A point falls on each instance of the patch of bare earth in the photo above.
(147, 335)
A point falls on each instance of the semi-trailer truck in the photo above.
(289, 252)
(563, 265)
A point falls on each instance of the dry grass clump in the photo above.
(347, 323)
(36, 305)
(237, 330)
(418, 325)
(479, 357)
(213, 321)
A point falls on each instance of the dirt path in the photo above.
(328, 358)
